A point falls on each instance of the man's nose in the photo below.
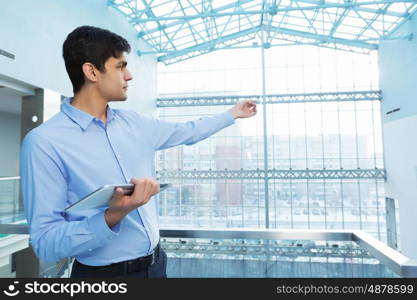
(128, 76)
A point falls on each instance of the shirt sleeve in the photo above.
(44, 190)
(169, 134)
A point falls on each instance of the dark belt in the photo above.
(127, 266)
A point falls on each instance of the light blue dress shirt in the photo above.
(73, 154)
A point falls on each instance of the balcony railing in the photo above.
(253, 243)
(9, 196)
(359, 246)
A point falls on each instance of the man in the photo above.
(88, 145)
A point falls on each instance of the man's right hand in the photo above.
(121, 204)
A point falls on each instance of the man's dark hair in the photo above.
(93, 45)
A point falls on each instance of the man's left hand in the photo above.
(244, 109)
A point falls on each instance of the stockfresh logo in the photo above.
(12, 290)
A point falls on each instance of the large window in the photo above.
(290, 69)
(320, 161)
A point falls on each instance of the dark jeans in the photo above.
(157, 270)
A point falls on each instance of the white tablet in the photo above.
(102, 196)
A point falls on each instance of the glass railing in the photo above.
(267, 254)
(11, 209)
(11, 213)
(14, 234)
(281, 253)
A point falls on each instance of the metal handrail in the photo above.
(9, 178)
(393, 259)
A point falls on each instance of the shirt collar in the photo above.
(80, 117)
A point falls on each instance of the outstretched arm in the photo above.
(169, 134)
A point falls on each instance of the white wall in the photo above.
(34, 32)
(398, 82)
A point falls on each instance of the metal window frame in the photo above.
(270, 98)
(356, 25)
(203, 175)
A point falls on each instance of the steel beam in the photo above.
(260, 174)
(270, 99)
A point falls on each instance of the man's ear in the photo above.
(90, 72)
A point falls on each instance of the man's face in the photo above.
(113, 83)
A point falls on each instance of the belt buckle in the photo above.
(129, 267)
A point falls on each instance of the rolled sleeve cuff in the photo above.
(99, 227)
